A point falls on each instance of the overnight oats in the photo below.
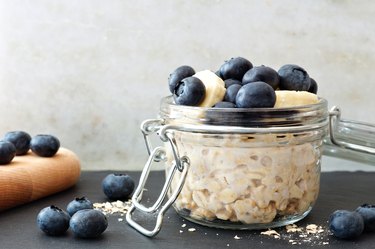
(242, 149)
(254, 153)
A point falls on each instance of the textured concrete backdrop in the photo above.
(90, 71)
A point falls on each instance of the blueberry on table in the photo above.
(88, 223)
(118, 186)
(79, 204)
(44, 145)
(224, 104)
(229, 82)
(313, 86)
(179, 74)
(7, 152)
(235, 68)
(262, 73)
(53, 221)
(20, 139)
(368, 214)
(346, 224)
(231, 93)
(293, 77)
(190, 91)
(256, 95)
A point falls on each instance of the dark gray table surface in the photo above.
(339, 190)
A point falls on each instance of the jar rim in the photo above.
(169, 100)
(244, 117)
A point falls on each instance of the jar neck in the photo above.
(244, 117)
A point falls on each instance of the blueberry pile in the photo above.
(18, 143)
(346, 224)
(247, 86)
(81, 218)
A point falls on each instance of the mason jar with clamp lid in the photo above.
(243, 168)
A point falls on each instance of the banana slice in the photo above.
(294, 98)
(215, 87)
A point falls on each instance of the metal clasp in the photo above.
(335, 120)
(181, 164)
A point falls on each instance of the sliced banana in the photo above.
(286, 98)
(215, 87)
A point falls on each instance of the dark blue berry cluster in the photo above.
(346, 224)
(18, 143)
(81, 218)
(247, 86)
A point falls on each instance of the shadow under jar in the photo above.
(249, 168)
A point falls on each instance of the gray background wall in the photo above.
(90, 71)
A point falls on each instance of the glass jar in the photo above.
(237, 168)
(257, 168)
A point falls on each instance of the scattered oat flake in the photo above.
(192, 229)
(314, 229)
(183, 225)
(293, 228)
(120, 219)
(116, 207)
(181, 231)
(236, 237)
(272, 233)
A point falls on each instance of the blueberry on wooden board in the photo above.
(20, 139)
(7, 152)
(45, 145)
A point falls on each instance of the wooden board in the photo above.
(31, 177)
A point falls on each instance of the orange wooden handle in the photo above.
(31, 177)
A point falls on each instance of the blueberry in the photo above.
(231, 93)
(118, 186)
(235, 68)
(53, 221)
(262, 73)
(44, 145)
(256, 94)
(79, 204)
(179, 74)
(368, 214)
(346, 224)
(7, 152)
(313, 86)
(224, 104)
(190, 91)
(229, 82)
(218, 73)
(20, 139)
(293, 77)
(88, 223)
